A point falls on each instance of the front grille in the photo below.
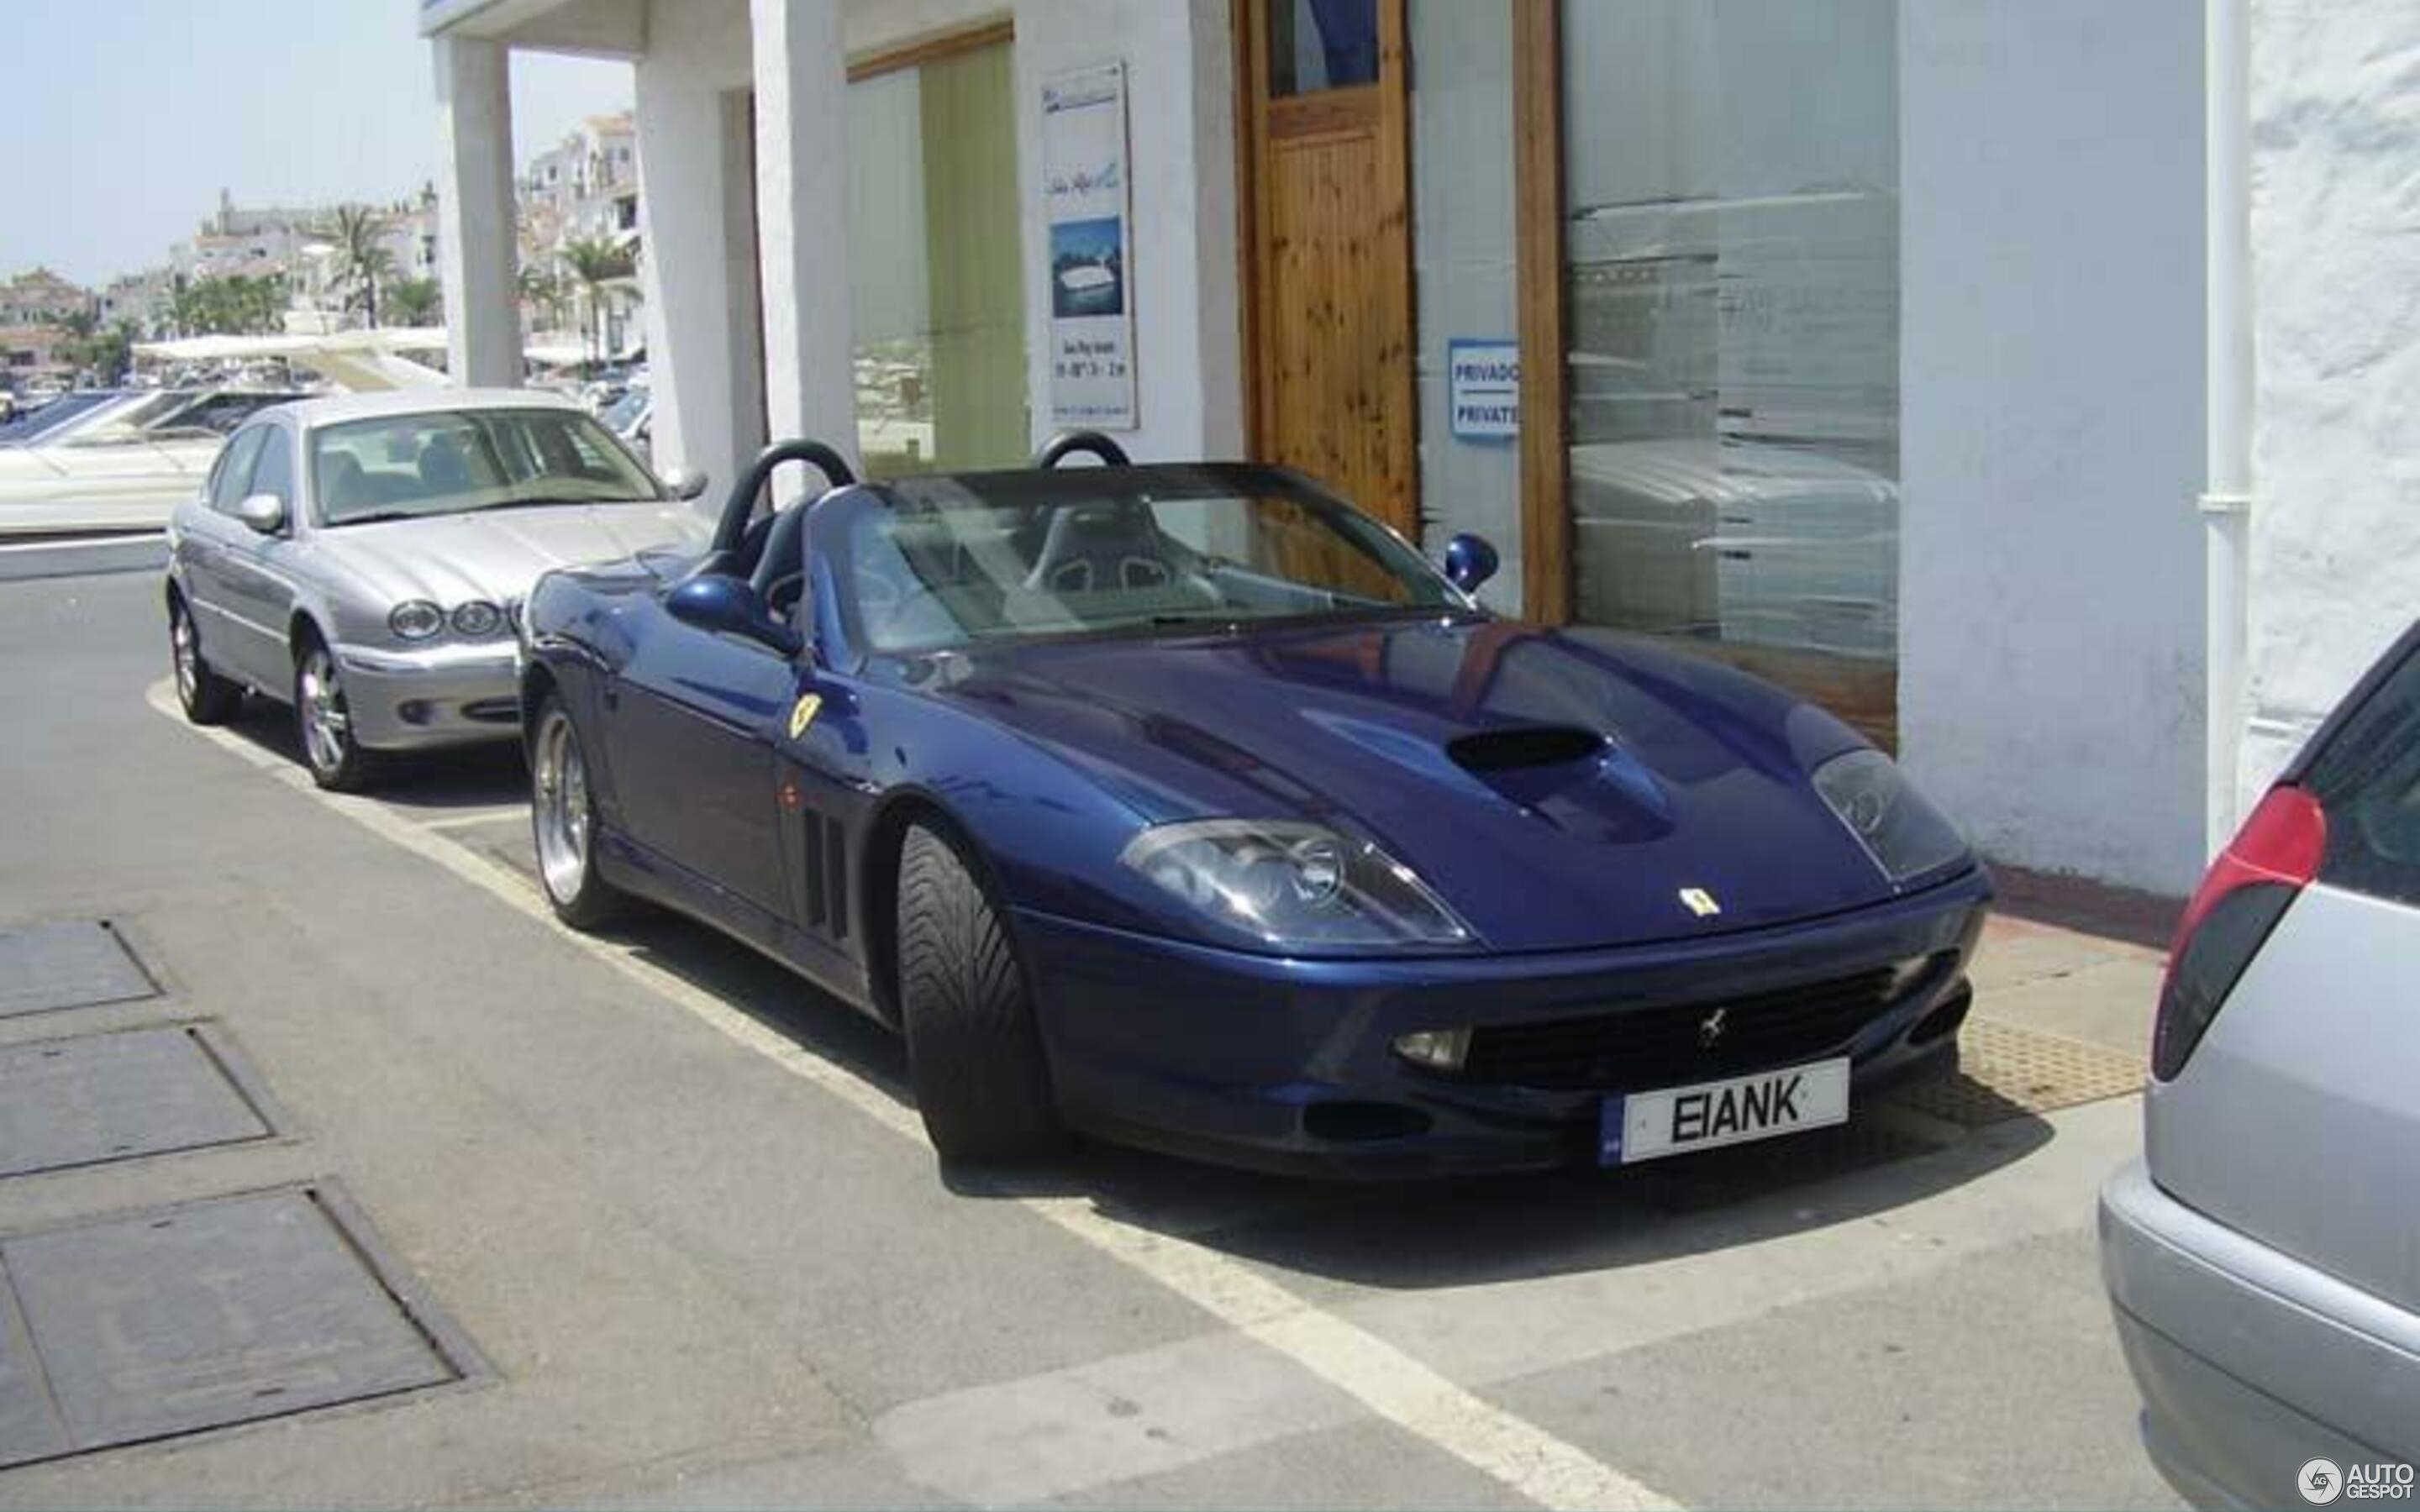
(1668, 1045)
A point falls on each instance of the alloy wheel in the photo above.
(327, 725)
(561, 779)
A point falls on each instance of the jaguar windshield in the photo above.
(444, 462)
(940, 561)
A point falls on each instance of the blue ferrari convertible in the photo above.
(1187, 806)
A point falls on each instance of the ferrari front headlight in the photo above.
(1294, 886)
(1906, 836)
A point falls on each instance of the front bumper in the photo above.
(2251, 1362)
(1290, 1064)
(443, 695)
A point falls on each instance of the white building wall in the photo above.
(2335, 521)
(2051, 372)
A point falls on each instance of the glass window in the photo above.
(2368, 781)
(1732, 187)
(937, 283)
(235, 469)
(274, 471)
(403, 467)
(1323, 44)
(1464, 275)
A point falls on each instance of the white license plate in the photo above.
(1676, 1119)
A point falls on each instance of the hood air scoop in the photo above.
(1524, 747)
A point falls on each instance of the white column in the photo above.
(696, 268)
(475, 233)
(801, 220)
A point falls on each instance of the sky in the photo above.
(121, 119)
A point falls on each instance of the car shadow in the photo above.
(421, 783)
(1408, 1234)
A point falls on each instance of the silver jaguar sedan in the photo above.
(363, 558)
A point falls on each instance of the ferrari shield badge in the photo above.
(803, 713)
(1701, 902)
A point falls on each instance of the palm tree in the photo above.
(595, 262)
(361, 259)
(414, 301)
(544, 294)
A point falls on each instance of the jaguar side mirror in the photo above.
(684, 483)
(731, 606)
(263, 512)
(1469, 561)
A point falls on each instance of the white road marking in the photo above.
(473, 818)
(1391, 1383)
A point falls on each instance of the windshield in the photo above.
(402, 466)
(940, 561)
(617, 417)
(49, 416)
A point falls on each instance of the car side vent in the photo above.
(823, 857)
(1506, 750)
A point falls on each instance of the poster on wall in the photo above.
(1089, 215)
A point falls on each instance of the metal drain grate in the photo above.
(177, 1319)
(72, 963)
(108, 1097)
(2008, 1073)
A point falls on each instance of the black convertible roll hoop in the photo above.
(733, 528)
(1092, 442)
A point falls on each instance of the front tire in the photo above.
(974, 1050)
(205, 697)
(323, 722)
(562, 819)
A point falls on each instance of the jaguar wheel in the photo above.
(324, 722)
(205, 697)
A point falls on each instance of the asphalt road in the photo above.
(674, 1210)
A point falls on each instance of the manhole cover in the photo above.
(73, 963)
(183, 1319)
(104, 1097)
(2006, 1073)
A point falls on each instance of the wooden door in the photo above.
(1327, 253)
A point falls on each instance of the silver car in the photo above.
(2264, 1256)
(363, 558)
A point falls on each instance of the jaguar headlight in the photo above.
(1906, 836)
(415, 619)
(1294, 886)
(477, 618)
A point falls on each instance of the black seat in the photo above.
(1091, 548)
(781, 557)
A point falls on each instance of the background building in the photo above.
(38, 311)
(1903, 352)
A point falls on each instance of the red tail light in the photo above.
(2271, 860)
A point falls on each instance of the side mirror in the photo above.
(1469, 561)
(684, 483)
(731, 606)
(264, 512)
